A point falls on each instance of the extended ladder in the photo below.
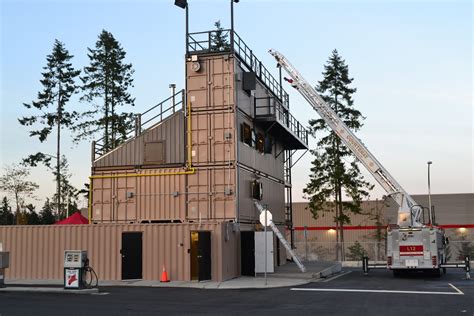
(409, 212)
(283, 240)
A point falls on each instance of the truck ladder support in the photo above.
(282, 239)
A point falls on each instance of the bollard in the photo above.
(365, 265)
(2, 277)
(467, 263)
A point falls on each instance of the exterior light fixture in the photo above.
(331, 231)
(462, 230)
(181, 3)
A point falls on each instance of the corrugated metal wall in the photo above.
(140, 198)
(170, 131)
(36, 252)
(211, 194)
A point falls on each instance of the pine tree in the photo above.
(6, 215)
(69, 193)
(107, 81)
(58, 87)
(46, 214)
(335, 172)
(219, 39)
(32, 217)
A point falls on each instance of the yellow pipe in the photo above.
(189, 168)
(89, 202)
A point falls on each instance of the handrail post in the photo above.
(93, 151)
(138, 125)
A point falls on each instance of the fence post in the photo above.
(468, 267)
(306, 243)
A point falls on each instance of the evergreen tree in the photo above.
(335, 172)
(219, 38)
(14, 182)
(58, 87)
(32, 217)
(46, 214)
(69, 193)
(6, 215)
(106, 83)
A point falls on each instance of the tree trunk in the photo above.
(58, 155)
(17, 213)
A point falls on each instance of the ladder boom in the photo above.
(409, 212)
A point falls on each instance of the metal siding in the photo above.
(209, 144)
(131, 153)
(36, 252)
(251, 157)
(206, 194)
(212, 87)
(273, 196)
(153, 197)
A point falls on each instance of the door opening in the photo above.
(201, 256)
(247, 253)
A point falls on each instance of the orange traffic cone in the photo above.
(164, 275)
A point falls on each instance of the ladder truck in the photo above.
(411, 244)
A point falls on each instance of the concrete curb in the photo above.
(274, 281)
(31, 289)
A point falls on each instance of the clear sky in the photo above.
(411, 62)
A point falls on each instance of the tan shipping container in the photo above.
(212, 86)
(36, 252)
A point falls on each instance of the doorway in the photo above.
(247, 253)
(131, 255)
(201, 256)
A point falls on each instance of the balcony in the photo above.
(278, 121)
(272, 112)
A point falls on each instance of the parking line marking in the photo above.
(336, 276)
(457, 290)
(377, 291)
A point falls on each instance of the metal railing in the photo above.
(150, 117)
(204, 42)
(269, 107)
(310, 250)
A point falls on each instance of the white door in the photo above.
(260, 252)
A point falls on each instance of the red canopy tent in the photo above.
(74, 219)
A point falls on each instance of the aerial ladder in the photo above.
(411, 244)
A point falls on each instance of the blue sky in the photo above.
(411, 62)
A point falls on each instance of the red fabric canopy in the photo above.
(74, 219)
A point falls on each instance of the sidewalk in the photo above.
(285, 276)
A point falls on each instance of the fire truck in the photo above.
(415, 242)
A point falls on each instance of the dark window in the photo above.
(260, 144)
(268, 145)
(246, 134)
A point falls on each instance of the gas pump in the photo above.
(76, 266)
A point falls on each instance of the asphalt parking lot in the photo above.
(349, 293)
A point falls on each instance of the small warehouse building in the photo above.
(180, 191)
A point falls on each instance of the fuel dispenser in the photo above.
(75, 269)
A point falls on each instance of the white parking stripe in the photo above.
(377, 291)
(458, 290)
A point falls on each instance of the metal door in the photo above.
(260, 252)
(131, 255)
